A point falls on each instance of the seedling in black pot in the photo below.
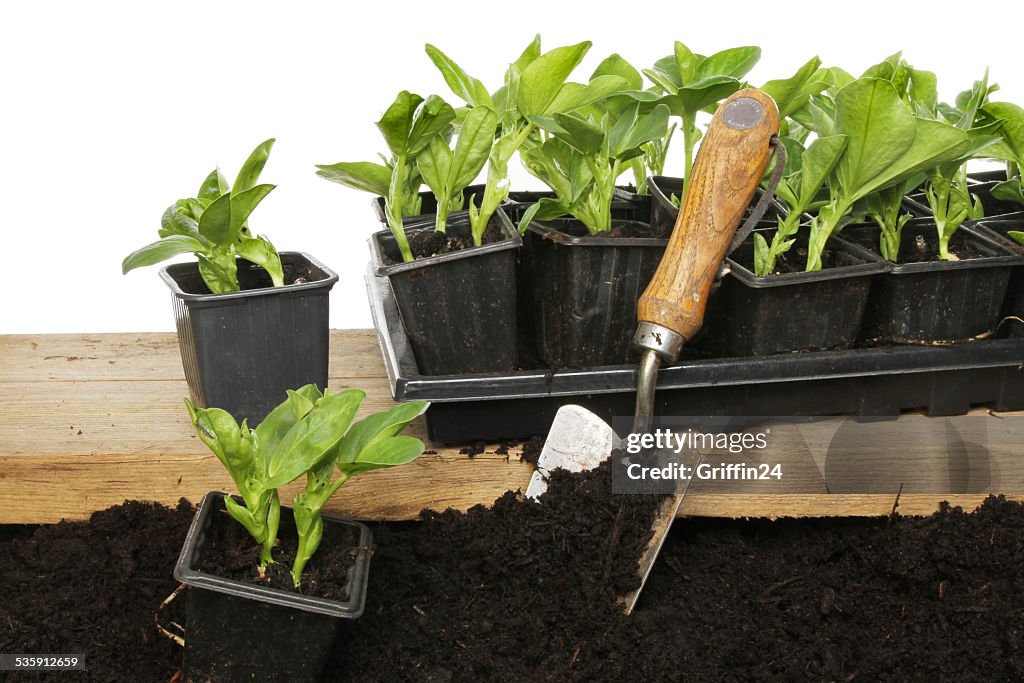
(311, 434)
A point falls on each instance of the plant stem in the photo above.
(496, 189)
(393, 209)
(273, 522)
(829, 218)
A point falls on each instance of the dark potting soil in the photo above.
(526, 592)
(92, 588)
(251, 276)
(795, 261)
(921, 248)
(429, 243)
(230, 552)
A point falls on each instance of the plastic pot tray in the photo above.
(872, 382)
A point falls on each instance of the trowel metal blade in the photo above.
(666, 514)
(578, 440)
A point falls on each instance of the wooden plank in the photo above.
(44, 490)
(91, 420)
(148, 356)
(119, 418)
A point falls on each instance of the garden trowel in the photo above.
(731, 161)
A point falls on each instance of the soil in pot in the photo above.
(428, 243)
(925, 300)
(518, 592)
(230, 552)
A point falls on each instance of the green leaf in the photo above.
(471, 90)
(260, 251)
(176, 222)
(923, 92)
(1009, 191)
(433, 119)
(435, 164)
(793, 93)
(241, 205)
(390, 452)
(541, 81)
(817, 163)
(582, 135)
(377, 427)
(396, 123)
(215, 223)
(880, 128)
(249, 174)
(574, 96)
(1012, 147)
(161, 250)
(213, 186)
(282, 418)
(472, 147)
(934, 143)
(313, 438)
(359, 175)
(685, 62)
(734, 62)
(647, 127)
(615, 65)
(221, 433)
(528, 55)
(219, 272)
(1016, 235)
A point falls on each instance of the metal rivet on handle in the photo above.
(743, 113)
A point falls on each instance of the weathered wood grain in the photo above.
(90, 420)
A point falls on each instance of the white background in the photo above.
(111, 111)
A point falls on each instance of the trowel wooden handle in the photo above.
(732, 158)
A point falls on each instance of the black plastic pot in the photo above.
(241, 631)
(519, 201)
(428, 207)
(796, 311)
(870, 382)
(664, 211)
(242, 351)
(585, 291)
(1013, 304)
(459, 309)
(935, 301)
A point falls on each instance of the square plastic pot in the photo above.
(1013, 304)
(238, 631)
(585, 291)
(458, 309)
(798, 311)
(518, 202)
(242, 351)
(428, 207)
(936, 301)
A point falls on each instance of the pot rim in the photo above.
(351, 609)
(169, 273)
(512, 241)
